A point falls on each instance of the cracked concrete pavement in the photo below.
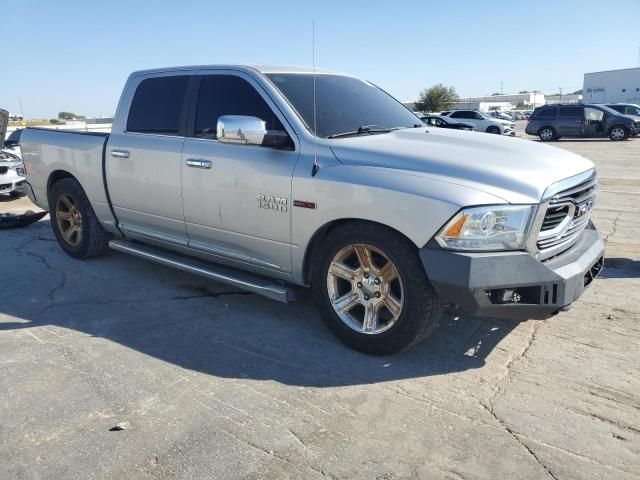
(218, 383)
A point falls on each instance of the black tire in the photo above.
(615, 135)
(16, 194)
(493, 129)
(421, 307)
(547, 134)
(94, 239)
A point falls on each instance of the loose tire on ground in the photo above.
(70, 210)
(395, 328)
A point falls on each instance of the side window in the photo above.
(229, 95)
(457, 115)
(593, 116)
(157, 105)
(571, 111)
(549, 112)
(477, 116)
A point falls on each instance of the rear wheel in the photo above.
(547, 134)
(74, 222)
(618, 132)
(372, 291)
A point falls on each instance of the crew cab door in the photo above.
(143, 159)
(237, 198)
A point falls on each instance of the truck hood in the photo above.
(519, 171)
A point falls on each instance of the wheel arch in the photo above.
(322, 232)
(55, 177)
(546, 126)
(621, 125)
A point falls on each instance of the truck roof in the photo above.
(265, 69)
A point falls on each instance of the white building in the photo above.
(511, 101)
(473, 104)
(568, 98)
(612, 86)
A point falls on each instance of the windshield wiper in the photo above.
(364, 129)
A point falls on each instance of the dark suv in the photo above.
(552, 122)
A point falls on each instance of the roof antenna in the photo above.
(315, 167)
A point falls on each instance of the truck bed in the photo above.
(47, 152)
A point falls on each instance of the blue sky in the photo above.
(75, 55)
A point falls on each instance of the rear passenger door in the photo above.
(570, 121)
(143, 159)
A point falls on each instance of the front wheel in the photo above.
(618, 133)
(372, 291)
(493, 129)
(17, 194)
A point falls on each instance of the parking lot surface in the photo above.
(118, 368)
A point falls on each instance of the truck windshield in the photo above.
(344, 104)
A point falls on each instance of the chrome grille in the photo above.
(566, 216)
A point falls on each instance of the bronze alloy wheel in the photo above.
(69, 220)
(365, 289)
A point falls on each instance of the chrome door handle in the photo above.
(195, 163)
(119, 153)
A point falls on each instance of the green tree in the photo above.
(437, 98)
(67, 116)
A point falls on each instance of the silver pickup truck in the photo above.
(268, 177)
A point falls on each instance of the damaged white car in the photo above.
(12, 175)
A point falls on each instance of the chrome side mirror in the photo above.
(241, 129)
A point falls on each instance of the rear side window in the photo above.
(571, 111)
(229, 95)
(549, 112)
(157, 105)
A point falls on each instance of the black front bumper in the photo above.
(514, 284)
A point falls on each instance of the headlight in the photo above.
(491, 227)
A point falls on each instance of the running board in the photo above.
(219, 273)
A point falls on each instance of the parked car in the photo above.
(625, 108)
(553, 122)
(12, 175)
(628, 109)
(444, 122)
(11, 167)
(12, 143)
(483, 122)
(229, 172)
(502, 115)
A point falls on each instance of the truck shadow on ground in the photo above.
(208, 327)
(618, 267)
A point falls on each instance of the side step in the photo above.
(219, 273)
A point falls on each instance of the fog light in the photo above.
(523, 295)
